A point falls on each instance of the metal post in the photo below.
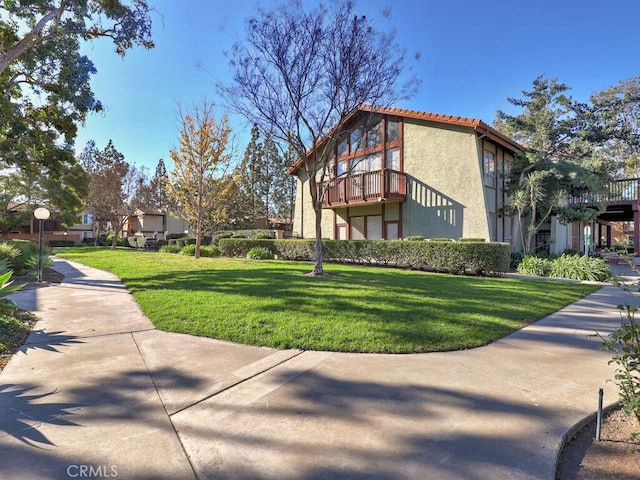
(599, 416)
(40, 250)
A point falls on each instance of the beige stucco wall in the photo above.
(445, 188)
(446, 196)
(304, 220)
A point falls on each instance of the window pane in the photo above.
(374, 227)
(356, 140)
(357, 228)
(393, 159)
(392, 231)
(374, 162)
(358, 165)
(393, 130)
(489, 169)
(374, 135)
(342, 147)
(342, 168)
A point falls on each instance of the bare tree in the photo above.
(300, 73)
(113, 186)
(202, 164)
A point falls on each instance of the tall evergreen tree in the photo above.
(556, 162)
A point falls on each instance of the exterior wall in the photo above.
(445, 193)
(148, 224)
(304, 219)
(561, 236)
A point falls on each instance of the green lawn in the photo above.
(354, 309)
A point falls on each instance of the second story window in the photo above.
(489, 165)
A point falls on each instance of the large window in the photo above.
(489, 169)
(370, 149)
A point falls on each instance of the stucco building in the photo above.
(412, 173)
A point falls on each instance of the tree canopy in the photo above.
(559, 159)
(202, 179)
(300, 72)
(45, 90)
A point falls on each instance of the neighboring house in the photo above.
(282, 226)
(412, 173)
(154, 223)
(148, 223)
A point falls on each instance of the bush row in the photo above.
(575, 267)
(443, 256)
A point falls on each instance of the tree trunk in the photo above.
(317, 267)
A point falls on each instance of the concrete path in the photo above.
(97, 392)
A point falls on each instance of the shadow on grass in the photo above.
(419, 312)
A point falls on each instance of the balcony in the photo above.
(360, 188)
(617, 192)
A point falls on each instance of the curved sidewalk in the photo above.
(98, 390)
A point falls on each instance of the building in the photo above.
(409, 174)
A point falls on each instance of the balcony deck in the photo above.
(360, 188)
(619, 192)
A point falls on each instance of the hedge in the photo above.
(61, 243)
(442, 256)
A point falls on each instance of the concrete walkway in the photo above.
(97, 392)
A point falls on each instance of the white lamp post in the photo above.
(41, 214)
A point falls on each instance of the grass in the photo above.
(354, 309)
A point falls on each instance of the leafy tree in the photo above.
(299, 73)
(23, 188)
(45, 86)
(557, 162)
(614, 117)
(201, 178)
(113, 188)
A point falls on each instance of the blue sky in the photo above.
(473, 55)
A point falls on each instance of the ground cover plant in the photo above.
(354, 309)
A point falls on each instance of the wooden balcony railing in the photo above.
(359, 188)
(618, 191)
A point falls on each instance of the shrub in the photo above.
(12, 256)
(261, 236)
(239, 247)
(442, 240)
(174, 236)
(61, 243)
(259, 253)
(471, 240)
(414, 238)
(135, 241)
(209, 251)
(580, 267)
(452, 257)
(216, 238)
(170, 248)
(624, 342)
(515, 260)
(188, 250)
(534, 266)
(238, 235)
(6, 287)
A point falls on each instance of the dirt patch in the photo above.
(615, 457)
